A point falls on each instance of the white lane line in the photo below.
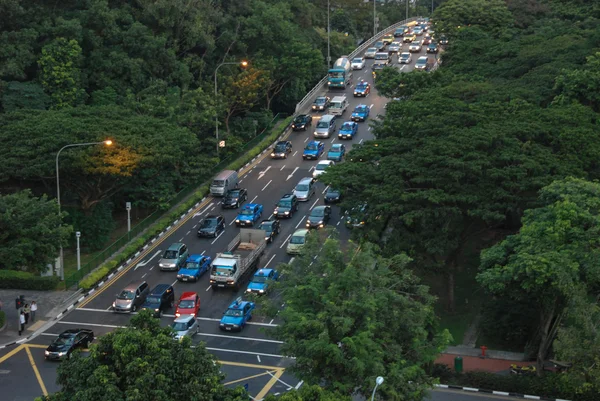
(144, 275)
(295, 153)
(189, 231)
(219, 236)
(313, 205)
(181, 240)
(270, 260)
(195, 225)
(253, 199)
(213, 208)
(281, 381)
(174, 282)
(261, 174)
(94, 310)
(202, 252)
(292, 260)
(108, 326)
(263, 340)
(360, 142)
(286, 240)
(258, 357)
(311, 169)
(292, 173)
(369, 129)
(403, 65)
(146, 262)
(248, 352)
(204, 211)
(306, 140)
(271, 321)
(372, 106)
(338, 223)
(241, 180)
(333, 140)
(300, 222)
(265, 187)
(232, 221)
(270, 216)
(299, 384)
(209, 287)
(281, 169)
(325, 190)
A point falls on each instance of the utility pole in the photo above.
(374, 18)
(407, 9)
(328, 38)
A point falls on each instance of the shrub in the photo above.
(26, 281)
(2, 318)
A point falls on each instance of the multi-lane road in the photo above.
(250, 357)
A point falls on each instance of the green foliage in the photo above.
(143, 361)
(453, 15)
(11, 279)
(351, 316)
(28, 95)
(582, 85)
(95, 227)
(59, 72)
(2, 318)
(308, 393)
(30, 232)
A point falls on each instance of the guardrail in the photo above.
(310, 96)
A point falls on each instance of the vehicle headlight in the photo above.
(237, 220)
(320, 222)
(329, 82)
(355, 92)
(236, 325)
(248, 290)
(114, 304)
(179, 276)
(286, 213)
(156, 310)
(261, 291)
(62, 353)
(272, 154)
(47, 353)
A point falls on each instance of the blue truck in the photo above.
(340, 74)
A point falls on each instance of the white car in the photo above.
(395, 47)
(370, 53)
(321, 167)
(405, 58)
(414, 47)
(358, 63)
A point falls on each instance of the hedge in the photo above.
(14, 279)
(2, 318)
(104, 270)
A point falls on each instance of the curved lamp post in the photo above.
(378, 383)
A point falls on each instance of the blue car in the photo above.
(260, 281)
(362, 89)
(249, 214)
(194, 267)
(313, 150)
(337, 152)
(237, 315)
(360, 113)
(348, 130)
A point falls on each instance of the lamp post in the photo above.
(407, 9)
(378, 383)
(242, 64)
(374, 18)
(73, 145)
(328, 38)
(77, 236)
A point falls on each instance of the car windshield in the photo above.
(335, 150)
(233, 194)
(379, 44)
(234, 312)
(64, 340)
(299, 119)
(266, 226)
(259, 279)
(318, 212)
(371, 50)
(247, 212)
(192, 265)
(209, 223)
(360, 109)
(221, 271)
(379, 56)
(179, 326)
(357, 60)
(170, 254)
(404, 55)
(186, 304)
(320, 100)
(153, 300)
(218, 183)
(322, 124)
(302, 187)
(312, 146)
(419, 61)
(333, 192)
(335, 74)
(126, 294)
(347, 127)
(322, 166)
(297, 239)
(284, 203)
(280, 147)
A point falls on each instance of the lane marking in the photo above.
(360, 142)
(281, 169)
(258, 357)
(36, 372)
(313, 205)
(325, 190)
(286, 240)
(270, 260)
(306, 140)
(311, 169)
(299, 384)
(261, 174)
(333, 140)
(372, 106)
(218, 236)
(270, 216)
(269, 385)
(148, 261)
(11, 353)
(265, 187)
(202, 252)
(232, 221)
(204, 211)
(300, 222)
(295, 153)
(108, 326)
(292, 173)
(144, 275)
(181, 240)
(282, 382)
(209, 287)
(264, 340)
(292, 260)
(253, 199)
(248, 377)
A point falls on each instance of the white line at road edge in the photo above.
(265, 187)
(248, 353)
(300, 222)
(264, 340)
(286, 240)
(313, 205)
(270, 260)
(281, 381)
(219, 236)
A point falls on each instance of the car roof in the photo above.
(249, 206)
(302, 232)
(320, 207)
(287, 196)
(263, 272)
(69, 332)
(212, 216)
(337, 146)
(267, 222)
(238, 304)
(196, 257)
(328, 162)
(183, 319)
(305, 179)
(159, 289)
(315, 142)
(189, 295)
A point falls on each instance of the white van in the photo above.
(382, 58)
(325, 126)
(338, 105)
(226, 180)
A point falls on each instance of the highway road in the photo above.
(251, 356)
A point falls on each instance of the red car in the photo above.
(188, 304)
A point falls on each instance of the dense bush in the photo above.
(26, 281)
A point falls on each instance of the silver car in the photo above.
(395, 47)
(370, 53)
(414, 47)
(305, 189)
(405, 58)
(185, 326)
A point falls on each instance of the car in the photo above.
(281, 150)
(418, 31)
(131, 297)
(161, 298)
(302, 122)
(305, 189)
(379, 45)
(378, 67)
(188, 304)
(211, 226)
(318, 217)
(423, 64)
(363, 88)
(414, 47)
(332, 195)
(185, 326)
(313, 150)
(405, 58)
(387, 39)
(321, 167)
(348, 130)
(234, 198)
(358, 63)
(249, 215)
(67, 342)
(195, 266)
(321, 103)
(336, 152)
(424, 27)
(174, 257)
(426, 41)
(399, 32)
(370, 52)
(409, 38)
(443, 40)
(271, 227)
(360, 113)
(237, 315)
(355, 218)
(431, 34)
(432, 48)
(287, 205)
(261, 280)
(297, 241)
(395, 47)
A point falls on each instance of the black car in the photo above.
(443, 40)
(332, 195)
(161, 298)
(211, 226)
(281, 150)
(234, 198)
(318, 217)
(272, 228)
(286, 206)
(432, 48)
(302, 122)
(67, 342)
(321, 103)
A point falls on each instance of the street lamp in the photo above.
(374, 18)
(328, 38)
(378, 383)
(242, 64)
(107, 142)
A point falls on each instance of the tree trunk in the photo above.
(549, 323)
(451, 306)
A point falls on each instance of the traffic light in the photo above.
(19, 303)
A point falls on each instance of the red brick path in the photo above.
(471, 363)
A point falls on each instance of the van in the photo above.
(338, 105)
(174, 257)
(226, 180)
(297, 241)
(382, 58)
(131, 298)
(424, 64)
(161, 298)
(325, 126)
(305, 189)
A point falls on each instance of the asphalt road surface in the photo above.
(250, 357)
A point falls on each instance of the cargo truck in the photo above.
(340, 74)
(230, 268)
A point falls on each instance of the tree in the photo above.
(143, 362)
(351, 315)
(31, 232)
(28, 95)
(59, 72)
(490, 15)
(582, 85)
(308, 393)
(554, 260)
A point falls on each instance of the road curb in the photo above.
(494, 392)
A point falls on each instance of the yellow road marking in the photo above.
(159, 241)
(269, 385)
(11, 353)
(36, 346)
(36, 371)
(249, 365)
(249, 377)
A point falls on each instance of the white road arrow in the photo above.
(262, 173)
(290, 176)
(146, 262)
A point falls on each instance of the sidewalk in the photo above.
(494, 362)
(50, 304)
